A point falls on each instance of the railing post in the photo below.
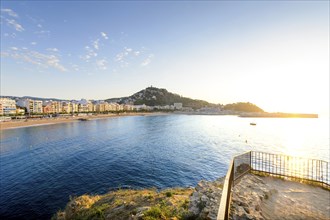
(250, 161)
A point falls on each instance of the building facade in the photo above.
(32, 106)
(8, 106)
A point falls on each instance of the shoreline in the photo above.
(51, 121)
(254, 197)
(23, 123)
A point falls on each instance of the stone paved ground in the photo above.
(256, 197)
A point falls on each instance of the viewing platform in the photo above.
(261, 185)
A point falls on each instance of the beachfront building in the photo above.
(177, 106)
(8, 106)
(107, 107)
(90, 106)
(47, 109)
(37, 107)
(128, 107)
(140, 107)
(20, 111)
(119, 107)
(52, 107)
(66, 107)
(57, 106)
(210, 110)
(31, 106)
(112, 106)
(74, 106)
(83, 105)
(100, 106)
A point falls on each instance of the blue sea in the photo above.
(42, 166)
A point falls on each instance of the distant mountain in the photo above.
(33, 98)
(243, 107)
(152, 96)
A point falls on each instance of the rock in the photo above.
(205, 201)
(142, 209)
(204, 198)
(247, 210)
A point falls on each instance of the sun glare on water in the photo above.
(294, 142)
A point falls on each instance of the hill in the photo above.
(152, 96)
(243, 107)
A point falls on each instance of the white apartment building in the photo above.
(32, 106)
(128, 107)
(177, 105)
(74, 106)
(83, 106)
(66, 107)
(7, 106)
(140, 107)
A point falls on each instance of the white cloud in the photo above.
(14, 48)
(53, 49)
(101, 64)
(53, 61)
(39, 26)
(129, 54)
(36, 58)
(15, 25)
(42, 33)
(9, 12)
(75, 67)
(96, 44)
(33, 43)
(104, 35)
(147, 61)
(90, 54)
(120, 56)
(91, 50)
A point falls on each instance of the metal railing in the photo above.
(295, 168)
(277, 165)
(226, 193)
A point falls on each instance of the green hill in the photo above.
(152, 96)
(243, 107)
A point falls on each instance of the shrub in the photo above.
(168, 194)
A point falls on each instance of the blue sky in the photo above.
(274, 54)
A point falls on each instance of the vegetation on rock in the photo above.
(146, 204)
(201, 202)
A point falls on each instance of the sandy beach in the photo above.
(56, 120)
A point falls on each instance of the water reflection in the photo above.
(161, 151)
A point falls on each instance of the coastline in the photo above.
(50, 121)
(254, 197)
(17, 123)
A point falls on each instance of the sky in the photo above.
(274, 54)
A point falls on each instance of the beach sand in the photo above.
(56, 120)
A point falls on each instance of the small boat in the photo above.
(252, 123)
(83, 119)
